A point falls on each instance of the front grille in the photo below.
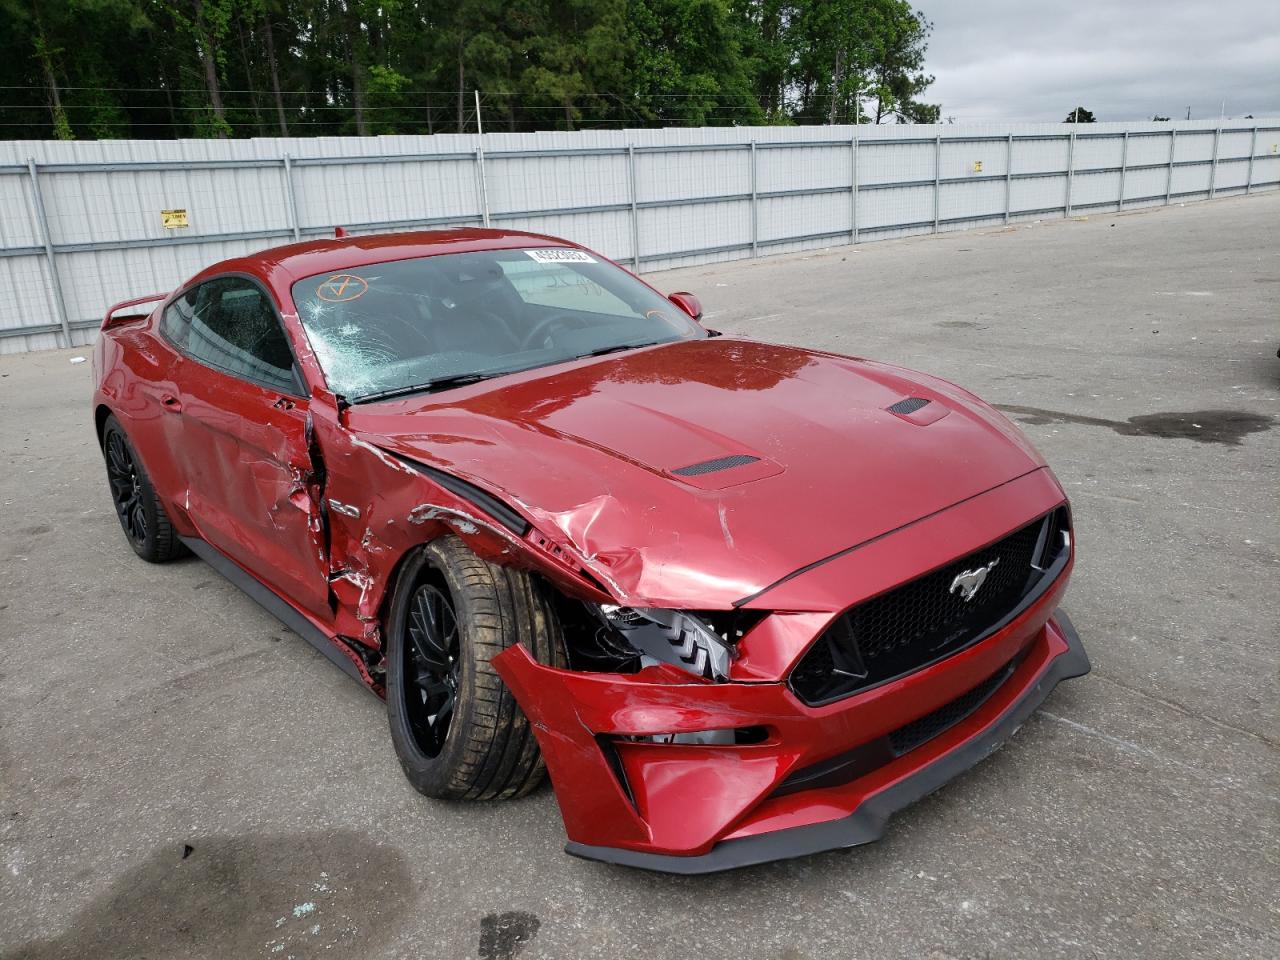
(861, 760)
(907, 738)
(928, 618)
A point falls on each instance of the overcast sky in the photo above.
(1122, 59)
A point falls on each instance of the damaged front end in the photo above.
(680, 740)
(690, 738)
(629, 638)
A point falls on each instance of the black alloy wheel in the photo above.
(432, 666)
(457, 730)
(126, 487)
(142, 518)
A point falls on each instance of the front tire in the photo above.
(456, 728)
(142, 518)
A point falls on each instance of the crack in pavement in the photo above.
(1188, 712)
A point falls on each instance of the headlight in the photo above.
(673, 636)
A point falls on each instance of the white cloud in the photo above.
(1011, 60)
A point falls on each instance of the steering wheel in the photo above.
(543, 326)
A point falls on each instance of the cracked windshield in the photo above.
(410, 326)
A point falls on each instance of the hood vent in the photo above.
(909, 405)
(716, 465)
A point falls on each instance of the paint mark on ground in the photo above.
(503, 935)
(1129, 747)
(1022, 376)
(1225, 427)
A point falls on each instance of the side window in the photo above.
(233, 327)
(176, 322)
(559, 286)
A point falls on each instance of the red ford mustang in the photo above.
(744, 601)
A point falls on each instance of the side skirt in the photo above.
(279, 608)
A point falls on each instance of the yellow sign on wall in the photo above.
(172, 219)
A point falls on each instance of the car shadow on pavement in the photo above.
(332, 894)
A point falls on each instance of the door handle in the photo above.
(170, 402)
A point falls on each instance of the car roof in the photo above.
(334, 254)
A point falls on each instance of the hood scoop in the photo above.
(725, 471)
(715, 466)
(909, 405)
(918, 410)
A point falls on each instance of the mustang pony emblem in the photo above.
(971, 581)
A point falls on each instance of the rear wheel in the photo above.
(457, 730)
(142, 518)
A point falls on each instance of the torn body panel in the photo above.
(252, 487)
(393, 507)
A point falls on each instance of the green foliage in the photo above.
(220, 68)
(1079, 115)
(386, 80)
(687, 63)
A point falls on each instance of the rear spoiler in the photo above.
(129, 316)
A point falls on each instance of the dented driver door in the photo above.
(253, 489)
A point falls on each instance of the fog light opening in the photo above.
(728, 737)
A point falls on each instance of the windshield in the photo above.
(433, 322)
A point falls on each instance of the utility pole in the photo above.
(835, 86)
(484, 186)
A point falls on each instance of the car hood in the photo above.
(698, 473)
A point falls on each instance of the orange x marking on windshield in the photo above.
(342, 287)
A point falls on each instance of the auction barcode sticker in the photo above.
(561, 255)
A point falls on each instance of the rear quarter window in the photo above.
(175, 322)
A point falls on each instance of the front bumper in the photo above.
(685, 808)
(868, 821)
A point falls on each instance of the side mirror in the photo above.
(688, 303)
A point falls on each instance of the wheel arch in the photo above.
(408, 564)
(100, 414)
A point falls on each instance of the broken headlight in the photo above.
(675, 637)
